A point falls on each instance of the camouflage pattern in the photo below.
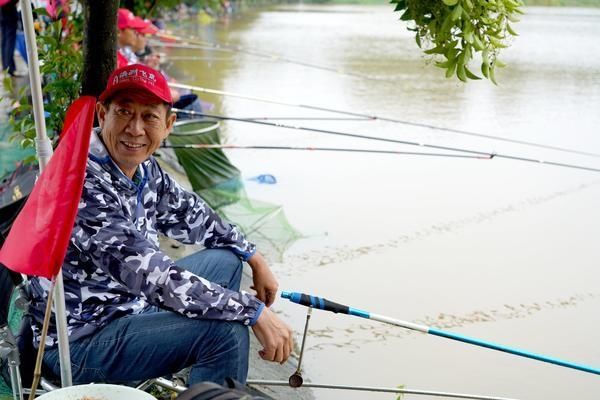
(114, 266)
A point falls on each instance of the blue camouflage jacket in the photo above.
(114, 267)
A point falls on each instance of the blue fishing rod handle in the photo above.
(315, 302)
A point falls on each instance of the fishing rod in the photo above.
(379, 389)
(406, 142)
(197, 58)
(190, 112)
(381, 118)
(296, 381)
(311, 148)
(195, 43)
(307, 118)
(189, 46)
(327, 305)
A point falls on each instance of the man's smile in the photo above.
(132, 145)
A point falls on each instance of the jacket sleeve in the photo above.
(185, 217)
(104, 233)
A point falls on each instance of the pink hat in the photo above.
(140, 77)
(126, 20)
(148, 27)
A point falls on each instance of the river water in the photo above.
(495, 249)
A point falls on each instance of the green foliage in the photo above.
(563, 3)
(61, 60)
(453, 31)
(150, 9)
(400, 395)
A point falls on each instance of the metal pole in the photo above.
(43, 145)
(44, 152)
(15, 377)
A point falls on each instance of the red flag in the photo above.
(38, 240)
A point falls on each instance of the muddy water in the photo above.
(497, 249)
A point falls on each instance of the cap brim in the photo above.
(143, 93)
(150, 29)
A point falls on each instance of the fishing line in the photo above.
(194, 43)
(380, 118)
(311, 148)
(406, 142)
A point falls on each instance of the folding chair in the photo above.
(16, 349)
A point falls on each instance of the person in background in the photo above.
(9, 19)
(127, 26)
(182, 100)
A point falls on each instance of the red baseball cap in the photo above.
(148, 27)
(126, 20)
(140, 77)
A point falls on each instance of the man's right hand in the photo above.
(274, 335)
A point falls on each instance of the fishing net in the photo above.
(217, 181)
(14, 321)
(11, 153)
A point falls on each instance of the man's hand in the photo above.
(265, 283)
(275, 337)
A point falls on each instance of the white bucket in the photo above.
(96, 392)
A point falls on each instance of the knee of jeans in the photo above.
(233, 265)
(240, 332)
(227, 337)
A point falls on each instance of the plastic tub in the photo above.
(97, 392)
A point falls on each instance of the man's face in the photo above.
(127, 37)
(133, 128)
(140, 42)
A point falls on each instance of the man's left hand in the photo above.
(265, 283)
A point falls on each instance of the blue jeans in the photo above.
(157, 343)
(9, 19)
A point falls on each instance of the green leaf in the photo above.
(471, 75)
(436, 50)
(451, 69)
(493, 75)
(400, 5)
(407, 16)
(498, 63)
(485, 70)
(461, 73)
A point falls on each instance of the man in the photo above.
(132, 313)
(128, 26)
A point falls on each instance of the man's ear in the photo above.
(101, 113)
(170, 121)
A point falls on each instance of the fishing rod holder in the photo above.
(295, 380)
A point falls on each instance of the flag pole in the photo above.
(44, 152)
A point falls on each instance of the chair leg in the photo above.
(10, 352)
(15, 379)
